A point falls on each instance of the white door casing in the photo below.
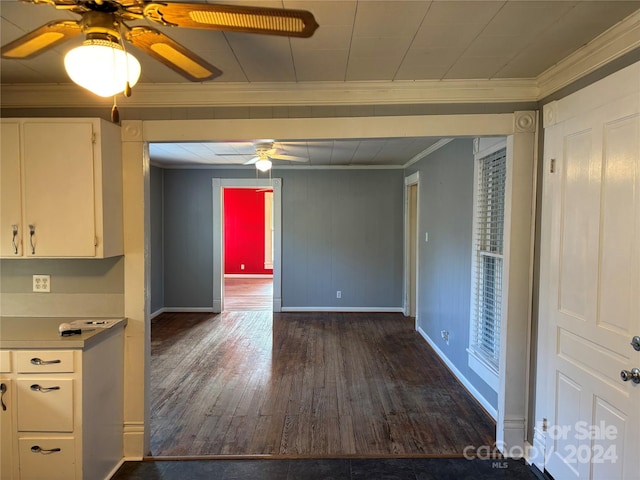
(219, 184)
(411, 240)
(587, 418)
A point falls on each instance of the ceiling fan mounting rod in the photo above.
(99, 24)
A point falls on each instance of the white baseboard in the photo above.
(248, 275)
(181, 310)
(344, 309)
(133, 440)
(115, 469)
(470, 388)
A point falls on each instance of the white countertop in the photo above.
(42, 332)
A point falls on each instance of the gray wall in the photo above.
(341, 230)
(156, 239)
(446, 213)
(79, 287)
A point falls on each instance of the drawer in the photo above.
(5, 361)
(44, 361)
(45, 405)
(50, 458)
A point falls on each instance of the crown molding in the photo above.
(428, 151)
(279, 94)
(610, 45)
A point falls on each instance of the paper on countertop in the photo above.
(86, 324)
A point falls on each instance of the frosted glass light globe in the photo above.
(263, 165)
(102, 67)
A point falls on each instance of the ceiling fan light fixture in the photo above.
(102, 67)
(264, 165)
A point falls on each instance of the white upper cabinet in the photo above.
(10, 192)
(61, 188)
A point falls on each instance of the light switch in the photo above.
(426, 236)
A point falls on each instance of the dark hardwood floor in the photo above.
(304, 384)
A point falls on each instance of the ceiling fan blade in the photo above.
(271, 21)
(291, 158)
(172, 54)
(41, 39)
(252, 161)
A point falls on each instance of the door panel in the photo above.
(591, 215)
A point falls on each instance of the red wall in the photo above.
(244, 231)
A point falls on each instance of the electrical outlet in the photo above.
(445, 336)
(339, 294)
(42, 283)
(242, 266)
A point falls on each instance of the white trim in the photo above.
(345, 309)
(483, 369)
(615, 42)
(236, 94)
(321, 128)
(248, 275)
(240, 166)
(413, 179)
(185, 310)
(153, 315)
(514, 430)
(428, 151)
(467, 385)
(610, 45)
(476, 360)
(113, 471)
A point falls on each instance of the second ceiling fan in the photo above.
(267, 151)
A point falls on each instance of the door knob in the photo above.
(635, 343)
(633, 375)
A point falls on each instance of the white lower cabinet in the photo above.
(63, 415)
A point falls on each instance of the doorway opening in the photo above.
(248, 249)
(265, 191)
(411, 247)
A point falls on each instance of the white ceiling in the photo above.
(357, 41)
(354, 152)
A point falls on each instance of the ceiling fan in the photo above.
(267, 151)
(102, 22)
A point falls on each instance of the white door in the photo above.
(590, 283)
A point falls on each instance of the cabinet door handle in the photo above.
(14, 229)
(3, 390)
(32, 232)
(39, 361)
(38, 388)
(37, 449)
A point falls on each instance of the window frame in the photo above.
(481, 362)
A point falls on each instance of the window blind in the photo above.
(488, 251)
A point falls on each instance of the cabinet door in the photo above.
(10, 199)
(47, 458)
(58, 181)
(6, 429)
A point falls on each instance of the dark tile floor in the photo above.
(327, 469)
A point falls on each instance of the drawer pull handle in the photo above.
(38, 388)
(3, 390)
(37, 449)
(39, 361)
